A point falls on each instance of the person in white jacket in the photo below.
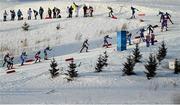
(5, 16)
(29, 14)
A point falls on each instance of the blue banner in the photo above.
(121, 40)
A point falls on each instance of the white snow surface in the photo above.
(33, 84)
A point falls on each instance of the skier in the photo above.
(10, 63)
(45, 52)
(150, 29)
(133, 12)
(5, 16)
(41, 11)
(35, 14)
(37, 57)
(6, 57)
(50, 13)
(106, 41)
(110, 12)
(169, 17)
(13, 14)
(129, 35)
(29, 14)
(54, 12)
(85, 10)
(19, 14)
(91, 11)
(142, 30)
(23, 58)
(164, 23)
(85, 45)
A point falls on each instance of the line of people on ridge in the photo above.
(52, 13)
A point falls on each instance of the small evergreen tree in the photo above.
(72, 70)
(99, 64)
(58, 27)
(162, 52)
(176, 69)
(105, 59)
(25, 26)
(151, 67)
(137, 54)
(54, 71)
(129, 66)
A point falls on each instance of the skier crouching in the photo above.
(106, 41)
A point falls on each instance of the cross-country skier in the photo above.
(85, 45)
(133, 12)
(10, 63)
(19, 14)
(29, 14)
(41, 11)
(37, 57)
(150, 29)
(164, 23)
(142, 30)
(45, 52)
(23, 58)
(35, 14)
(6, 57)
(110, 12)
(106, 41)
(5, 16)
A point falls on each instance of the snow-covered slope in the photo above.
(32, 83)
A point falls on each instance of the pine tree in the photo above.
(137, 54)
(151, 67)
(176, 69)
(162, 52)
(72, 70)
(105, 59)
(129, 66)
(54, 71)
(25, 26)
(99, 64)
(58, 27)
